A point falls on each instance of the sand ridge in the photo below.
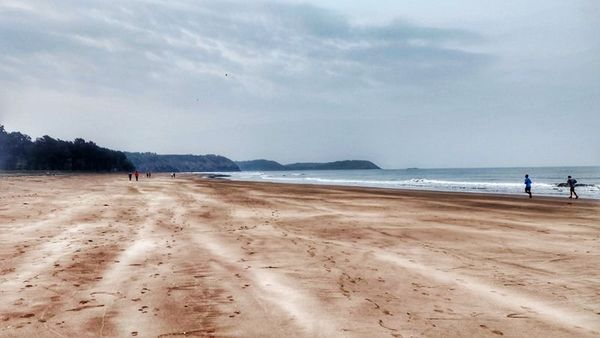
(96, 255)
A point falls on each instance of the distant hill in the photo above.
(261, 165)
(178, 163)
(337, 165)
(19, 152)
(267, 165)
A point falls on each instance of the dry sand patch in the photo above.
(97, 255)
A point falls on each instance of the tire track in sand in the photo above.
(568, 316)
(557, 313)
(303, 308)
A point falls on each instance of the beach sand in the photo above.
(97, 255)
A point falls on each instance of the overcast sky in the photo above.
(402, 83)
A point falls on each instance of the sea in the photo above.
(547, 181)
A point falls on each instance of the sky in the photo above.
(414, 83)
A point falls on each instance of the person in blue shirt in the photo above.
(528, 185)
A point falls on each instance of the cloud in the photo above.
(267, 49)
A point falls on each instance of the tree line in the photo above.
(19, 152)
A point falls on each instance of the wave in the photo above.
(418, 183)
(411, 182)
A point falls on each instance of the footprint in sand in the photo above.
(498, 332)
(516, 315)
(386, 327)
(372, 302)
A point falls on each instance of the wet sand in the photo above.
(96, 255)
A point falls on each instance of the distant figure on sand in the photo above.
(172, 175)
(130, 174)
(571, 182)
(528, 185)
(137, 174)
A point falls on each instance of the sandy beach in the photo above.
(97, 255)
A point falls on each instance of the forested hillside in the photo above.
(19, 152)
(177, 163)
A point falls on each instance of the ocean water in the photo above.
(546, 180)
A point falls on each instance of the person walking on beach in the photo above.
(130, 174)
(571, 182)
(137, 174)
(528, 185)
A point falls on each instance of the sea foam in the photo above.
(547, 181)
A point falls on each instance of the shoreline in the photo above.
(407, 190)
(228, 177)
